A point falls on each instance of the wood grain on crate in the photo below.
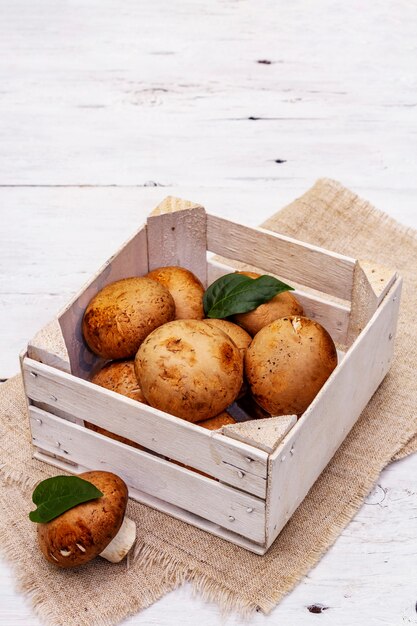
(231, 461)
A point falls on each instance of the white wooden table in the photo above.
(100, 101)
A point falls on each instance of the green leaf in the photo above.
(237, 293)
(58, 494)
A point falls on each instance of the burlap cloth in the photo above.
(170, 552)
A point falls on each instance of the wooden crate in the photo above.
(252, 486)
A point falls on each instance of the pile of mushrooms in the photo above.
(195, 368)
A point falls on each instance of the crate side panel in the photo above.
(203, 496)
(303, 263)
(231, 461)
(307, 449)
(131, 260)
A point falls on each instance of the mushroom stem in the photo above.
(120, 545)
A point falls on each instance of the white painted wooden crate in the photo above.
(247, 493)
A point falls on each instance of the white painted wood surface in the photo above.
(162, 92)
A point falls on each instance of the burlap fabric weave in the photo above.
(170, 552)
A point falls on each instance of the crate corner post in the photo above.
(48, 346)
(371, 283)
(177, 235)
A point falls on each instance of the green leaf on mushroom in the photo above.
(58, 494)
(237, 293)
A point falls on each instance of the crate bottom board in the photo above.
(165, 507)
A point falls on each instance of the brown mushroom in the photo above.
(119, 377)
(186, 289)
(279, 306)
(216, 422)
(122, 314)
(288, 362)
(240, 337)
(97, 527)
(189, 369)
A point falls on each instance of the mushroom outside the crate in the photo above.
(97, 527)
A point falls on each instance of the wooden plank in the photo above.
(309, 446)
(130, 260)
(231, 461)
(177, 236)
(371, 283)
(219, 503)
(303, 263)
(165, 507)
(334, 316)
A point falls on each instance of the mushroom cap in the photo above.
(108, 433)
(240, 337)
(120, 377)
(186, 289)
(288, 362)
(189, 369)
(282, 305)
(120, 316)
(217, 421)
(81, 533)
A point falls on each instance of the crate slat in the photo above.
(230, 508)
(303, 263)
(231, 461)
(309, 446)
